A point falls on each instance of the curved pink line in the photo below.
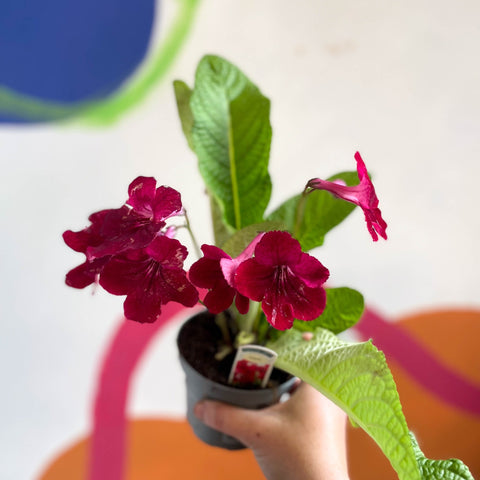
(108, 439)
(422, 366)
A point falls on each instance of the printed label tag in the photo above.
(253, 365)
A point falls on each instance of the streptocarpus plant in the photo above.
(259, 269)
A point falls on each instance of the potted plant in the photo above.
(258, 284)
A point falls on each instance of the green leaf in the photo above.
(221, 231)
(235, 245)
(320, 211)
(231, 136)
(451, 469)
(183, 94)
(356, 377)
(343, 310)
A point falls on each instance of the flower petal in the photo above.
(219, 298)
(157, 204)
(278, 248)
(167, 251)
(242, 303)
(311, 271)
(143, 308)
(141, 194)
(278, 312)
(253, 279)
(167, 203)
(206, 271)
(86, 273)
(123, 229)
(123, 275)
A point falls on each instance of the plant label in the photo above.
(253, 365)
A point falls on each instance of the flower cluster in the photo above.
(131, 251)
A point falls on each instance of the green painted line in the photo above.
(108, 111)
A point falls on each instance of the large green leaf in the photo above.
(309, 218)
(231, 136)
(356, 377)
(343, 310)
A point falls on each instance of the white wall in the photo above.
(396, 80)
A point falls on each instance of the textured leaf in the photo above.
(356, 377)
(451, 469)
(343, 310)
(231, 136)
(235, 245)
(221, 231)
(320, 212)
(183, 94)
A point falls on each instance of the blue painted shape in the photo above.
(71, 50)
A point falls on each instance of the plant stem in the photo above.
(299, 212)
(252, 317)
(192, 236)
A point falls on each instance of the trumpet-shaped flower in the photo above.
(362, 195)
(287, 281)
(207, 273)
(150, 278)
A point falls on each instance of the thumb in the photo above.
(234, 421)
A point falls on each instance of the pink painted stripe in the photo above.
(422, 366)
(108, 443)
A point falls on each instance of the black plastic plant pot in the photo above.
(200, 387)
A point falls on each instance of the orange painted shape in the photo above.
(443, 431)
(162, 449)
(168, 450)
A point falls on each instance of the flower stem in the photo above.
(253, 317)
(192, 236)
(300, 210)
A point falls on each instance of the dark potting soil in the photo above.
(198, 342)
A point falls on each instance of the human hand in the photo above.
(302, 438)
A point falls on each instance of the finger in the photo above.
(241, 423)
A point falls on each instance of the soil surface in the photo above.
(198, 342)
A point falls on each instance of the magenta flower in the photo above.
(362, 195)
(114, 231)
(129, 227)
(156, 204)
(207, 273)
(86, 273)
(287, 281)
(150, 278)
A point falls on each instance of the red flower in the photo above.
(86, 273)
(207, 273)
(126, 228)
(362, 195)
(150, 278)
(286, 280)
(114, 231)
(157, 204)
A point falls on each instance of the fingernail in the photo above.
(199, 410)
